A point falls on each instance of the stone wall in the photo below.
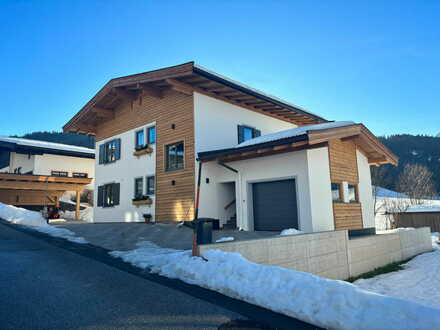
(330, 254)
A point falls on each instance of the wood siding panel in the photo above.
(173, 202)
(344, 167)
(29, 197)
(347, 216)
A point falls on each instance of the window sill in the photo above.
(142, 202)
(144, 151)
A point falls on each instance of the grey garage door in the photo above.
(275, 206)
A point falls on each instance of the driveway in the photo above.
(124, 236)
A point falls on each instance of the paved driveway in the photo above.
(124, 236)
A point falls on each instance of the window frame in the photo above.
(340, 190)
(136, 145)
(52, 173)
(135, 195)
(107, 187)
(104, 159)
(253, 130)
(148, 186)
(166, 158)
(356, 193)
(149, 128)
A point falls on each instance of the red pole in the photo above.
(195, 250)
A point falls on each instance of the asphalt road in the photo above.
(48, 283)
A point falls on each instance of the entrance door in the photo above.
(275, 206)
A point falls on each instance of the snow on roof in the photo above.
(46, 145)
(253, 89)
(423, 208)
(383, 192)
(293, 132)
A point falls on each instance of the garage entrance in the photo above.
(275, 205)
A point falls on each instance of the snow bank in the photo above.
(291, 231)
(85, 214)
(35, 221)
(326, 303)
(435, 241)
(224, 239)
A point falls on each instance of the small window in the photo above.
(79, 175)
(247, 133)
(59, 173)
(138, 187)
(336, 192)
(352, 193)
(108, 195)
(140, 139)
(151, 133)
(150, 185)
(175, 156)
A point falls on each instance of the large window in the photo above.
(110, 152)
(150, 185)
(151, 134)
(246, 133)
(140, 139)
(336, 192)
(108, 195)
(175, 154)
(138, 187)
(59, 173)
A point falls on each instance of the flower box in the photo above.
(143, 151)
(139, 202)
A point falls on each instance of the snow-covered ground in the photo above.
(327, 303)
(35, 221)
(291, 231)
(419, 281)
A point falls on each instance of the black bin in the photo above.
(203, 228)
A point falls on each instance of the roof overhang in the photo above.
(185, 78)
(374, 150)
(33, 150)
(41, 182)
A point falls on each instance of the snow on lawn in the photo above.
(35, 220)
(419, 281)
(326, 303)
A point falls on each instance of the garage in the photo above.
(275, 205)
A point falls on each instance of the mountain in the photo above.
(420, 149)
(81, 140)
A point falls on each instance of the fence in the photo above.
(418, 219)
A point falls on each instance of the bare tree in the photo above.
(416, 182)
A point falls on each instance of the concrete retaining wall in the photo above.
(330, 254)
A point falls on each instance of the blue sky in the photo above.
(372, 62)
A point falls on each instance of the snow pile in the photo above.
(293, 132)
(435, 241)
(418, 281)
(85, 214)
(224, 239)
(291, 231)
(326, 303)
(396, 230)
(36, 221)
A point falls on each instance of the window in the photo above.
(79, 175)
(110, 152)
(59, 173)
(246, 133)
(138, 187)
(140, 139)
(151, 133)
(336, 192)
(174, 156)
(108, 195)
(352, 193)
(150, 185)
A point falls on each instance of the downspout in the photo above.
(195, 250)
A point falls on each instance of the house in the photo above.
(264, 164)
(38, 173)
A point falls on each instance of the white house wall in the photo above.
(216, 121)
(365, 190)
(26, 162)
(124, 171)
(46, 163)
(320, 192)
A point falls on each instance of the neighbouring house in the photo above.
(264, 164)
(38, 173)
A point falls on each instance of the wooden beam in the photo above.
(152, 91)
(103, 112)
(125, 94)
(77, 206)
(180, 86)
(43, 178)
(23, 185)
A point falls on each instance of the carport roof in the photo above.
(306, 137)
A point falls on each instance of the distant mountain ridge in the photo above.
(80, 140)
(420, 149)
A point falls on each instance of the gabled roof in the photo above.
(306, 137)
(185, 78)
(21, 145)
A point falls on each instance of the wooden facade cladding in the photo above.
(344, 167)
(173, 202)
(30, 197)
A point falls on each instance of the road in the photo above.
(44, 285)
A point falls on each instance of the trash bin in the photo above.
(203, 228)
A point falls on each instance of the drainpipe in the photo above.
(195, 250)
